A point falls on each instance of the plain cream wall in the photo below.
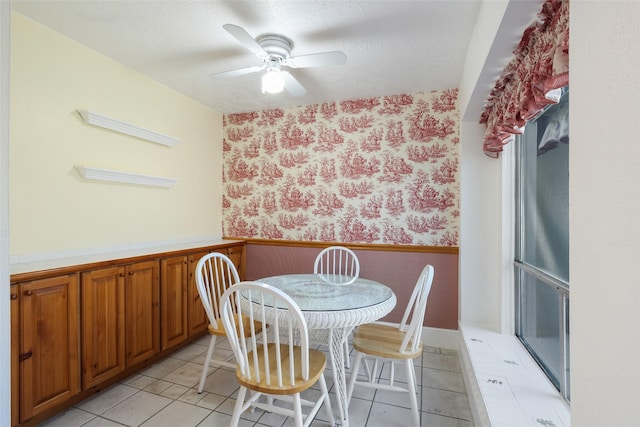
(51, 209)
(604, 174)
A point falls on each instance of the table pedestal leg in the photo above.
(337, 336)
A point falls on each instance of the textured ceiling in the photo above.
(392, 47)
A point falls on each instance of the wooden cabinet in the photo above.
(236, 255)
(103, 349)
(49, 367)
(142, 312)
(80, 327)
(197, 321)
(120, 319)
(174, 299)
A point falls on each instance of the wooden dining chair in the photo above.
(279, 364)
(388, 343)
(215, 273)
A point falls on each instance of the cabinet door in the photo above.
(197, 318)
(15, 352)
(103, 348)
(142, 312)
(173, 297)
(236, 255)
(49, 364)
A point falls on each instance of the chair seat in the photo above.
(219, 331)
(317, 364)
(382, 341)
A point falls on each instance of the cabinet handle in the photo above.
(131, 273)
(14, 296)
(121, 275)
(28, 293)
(25, 356)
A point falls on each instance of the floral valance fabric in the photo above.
(533, 78)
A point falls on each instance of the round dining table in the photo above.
(332, 306)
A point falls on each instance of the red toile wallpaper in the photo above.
(380, 170)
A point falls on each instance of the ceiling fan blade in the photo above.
(238, 72)
(292, 85)
(245, 39)
(317, 60)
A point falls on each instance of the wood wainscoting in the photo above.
(395, 266)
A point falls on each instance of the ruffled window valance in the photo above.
(533, 78)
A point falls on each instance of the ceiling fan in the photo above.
(275, 51)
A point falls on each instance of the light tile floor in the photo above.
(165, 394)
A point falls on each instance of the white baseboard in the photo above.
(443, 338)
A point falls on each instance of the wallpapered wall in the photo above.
(380, 171)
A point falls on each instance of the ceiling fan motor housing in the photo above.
(276, 45)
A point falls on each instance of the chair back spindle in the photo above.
(338, 264)
(287, 333)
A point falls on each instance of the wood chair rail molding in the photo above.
(360, 246)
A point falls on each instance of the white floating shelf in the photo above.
(126, 128)
(96, 174)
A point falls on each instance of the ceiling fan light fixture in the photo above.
(272, 81)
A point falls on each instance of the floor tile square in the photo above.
(446, 403)
(440, 361)
(218, 419)
(433, 420)
(192, 396)
(72, 417)
(162, 368)
(138, 381)
(222, 382)
(187, 375)
(175, 391)
(158, 386)
(212, 401)
(189, 352)
(383, 415)
(178, 414)
(136, 409)
(101, 422)
(107, 399)
(444, 380)
(359, 410)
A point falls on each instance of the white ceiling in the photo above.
(393, 46)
